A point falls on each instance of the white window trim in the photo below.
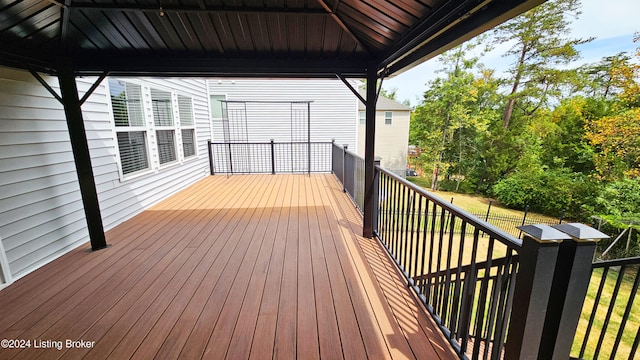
(5, 271)
(180, 126)
(212, 119)
(150, 131)
(126, 177)
(390, 118)
(155, 128)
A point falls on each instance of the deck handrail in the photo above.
(236, 157)
(486, 227)
(615, 273)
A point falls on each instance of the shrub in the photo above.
(550, 192)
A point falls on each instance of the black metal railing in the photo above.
(462, 267)
(509, 223)
(270, 157)
(605, 330)
(349, 169)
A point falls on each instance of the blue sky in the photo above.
(611, 22)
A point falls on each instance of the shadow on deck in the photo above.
(252, 266)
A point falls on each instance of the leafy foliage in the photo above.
(552, 192)
(556, 139)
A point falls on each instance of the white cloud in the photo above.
(607, 19)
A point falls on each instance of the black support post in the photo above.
(273, 158)
(78, 137)
(376, 193)
(369, 153)
(211, 171)
(531, 297)
(344, 166)
(569, 289)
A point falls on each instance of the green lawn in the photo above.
(473, 203)
(631, 327)
(478, 204)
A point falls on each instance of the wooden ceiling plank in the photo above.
(341, 23)
(202, 26)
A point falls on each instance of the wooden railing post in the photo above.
(538, 257)
(569, 289)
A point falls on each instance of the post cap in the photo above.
(543, 233)
(581, 232)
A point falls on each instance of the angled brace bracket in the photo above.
(58, 97)
(353, 90)
(356, 93)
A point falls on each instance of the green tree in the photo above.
(540, 47)
(597, 80)
(449, 119)
(616, 136)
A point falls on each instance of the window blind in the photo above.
(188, 143)
(185, 109)
(126, 102)
(132, 146)
(161, 105)
(166, 146)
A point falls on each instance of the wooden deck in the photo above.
(255, 266)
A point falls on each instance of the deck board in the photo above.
(252, 266)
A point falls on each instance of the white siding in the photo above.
(333, 110)
(41, 214)
(391, 140)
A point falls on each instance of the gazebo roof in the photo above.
(313, 38)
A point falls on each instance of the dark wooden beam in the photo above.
(139, 65)
(369, 153)
(194, 9)
(82, 158)
(341, 23)
(433, 41)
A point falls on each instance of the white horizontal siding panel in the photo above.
(57, 243)
(40, 206)
(21, 138)
(333, 110)
(43, 229)
(35, 201)
(26, 174)
(21, 152)
(36, 219)
(9, 125)
(17, 188)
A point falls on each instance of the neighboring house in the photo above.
(392, 133)
(147, 139)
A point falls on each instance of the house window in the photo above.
(363, 118)
(388, 117)
(185, 111)
(217, 106)
(126, 102)
(165, 126)
(169, 120)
